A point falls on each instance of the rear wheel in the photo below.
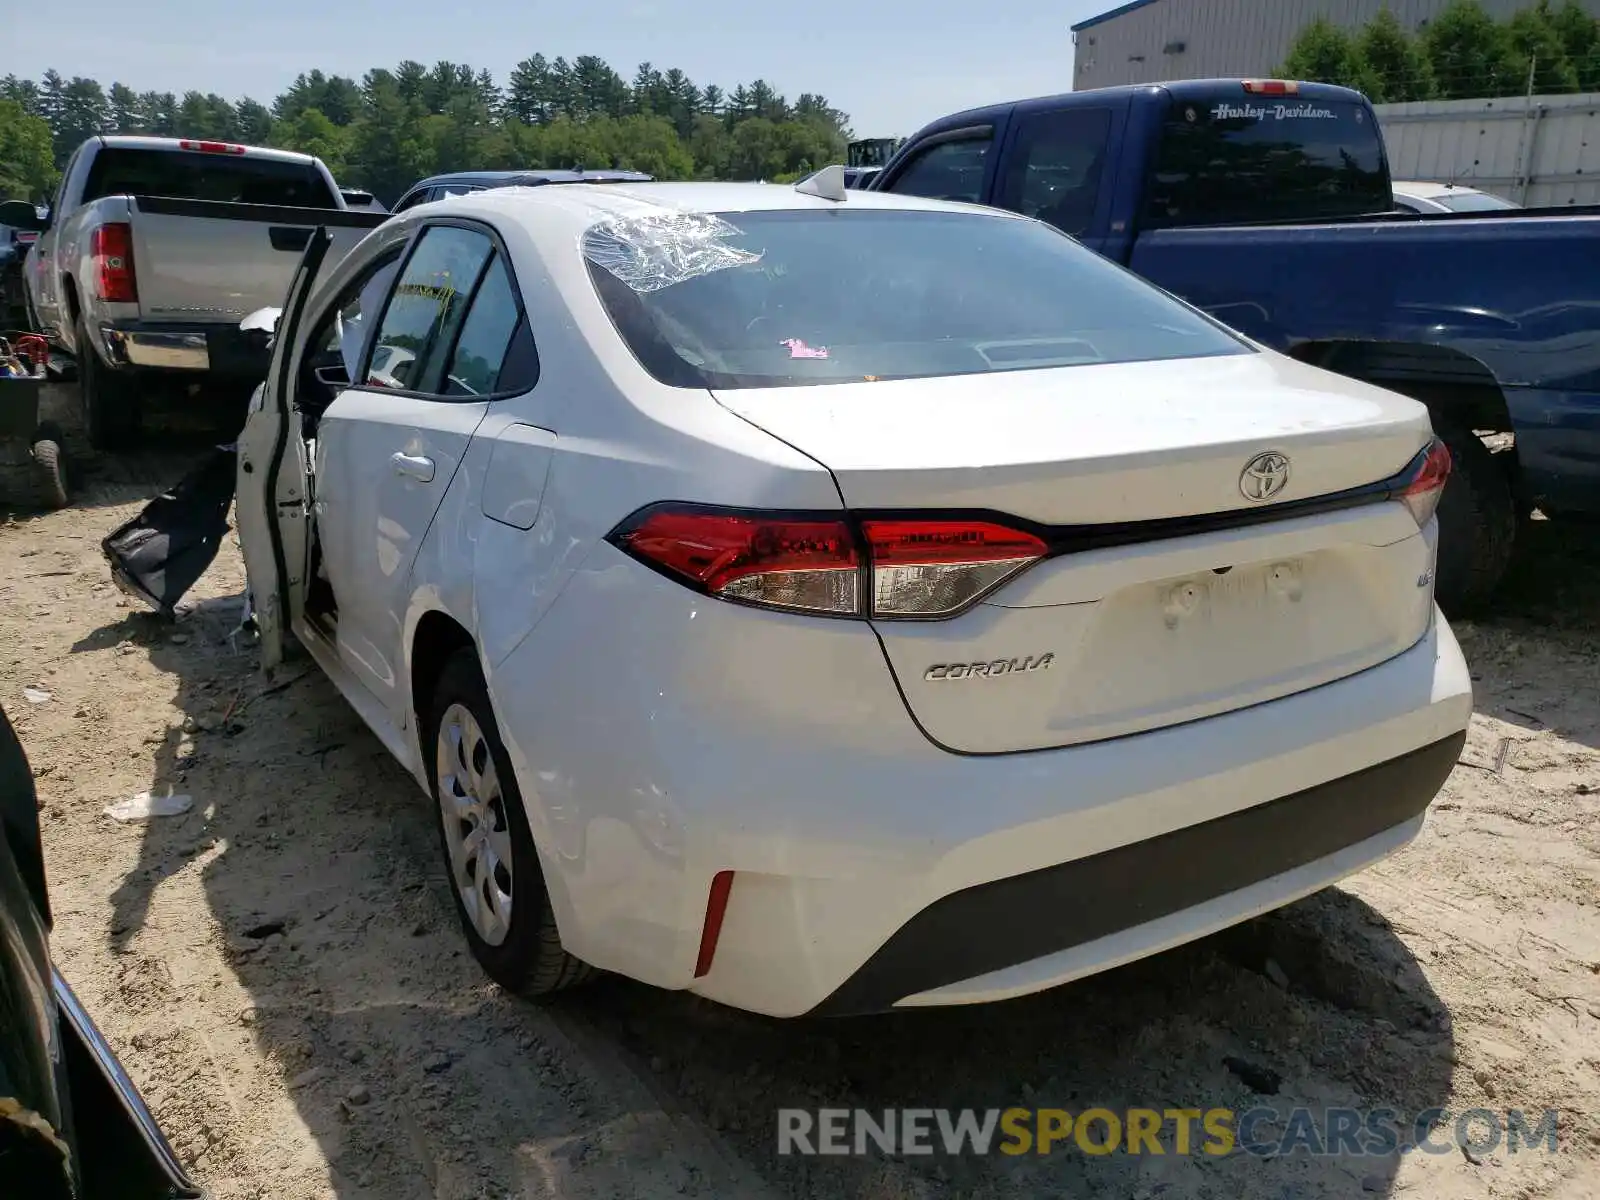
(495, 877)
(111, 412)
(1477, 522)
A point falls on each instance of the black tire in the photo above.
(51, 466)
(1477, 523)
(111, 409)
(530, 960)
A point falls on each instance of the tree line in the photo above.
(1463, 53)
(397, 126)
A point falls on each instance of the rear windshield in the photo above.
(1473, 202)
(1266, 158)
(793, 297)
(197, 175)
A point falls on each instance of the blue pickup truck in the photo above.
(1267, 203)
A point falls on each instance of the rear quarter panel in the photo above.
(1519, 294)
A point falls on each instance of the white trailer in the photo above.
(1540, 151)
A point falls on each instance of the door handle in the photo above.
(413, 466)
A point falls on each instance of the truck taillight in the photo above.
(922, 567)
(1271, 87)
(111, 246)
(211, 147)
(1422, 491)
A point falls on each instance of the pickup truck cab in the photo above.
(1268, 204)
(156, 248)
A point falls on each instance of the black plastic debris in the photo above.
(160, 554)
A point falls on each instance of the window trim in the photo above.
(498, 249)
(985, 132)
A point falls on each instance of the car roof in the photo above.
(535, 175)
(555, 216)
(1427, 190)
(554, 219)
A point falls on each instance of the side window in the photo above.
(429, 301)
(420, 196)
(483, 362)
(947, 171)
(56, 215)
(1056, 166)
(333, 351)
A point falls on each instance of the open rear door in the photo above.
(272, 483)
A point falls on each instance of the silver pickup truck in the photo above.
(155, 249)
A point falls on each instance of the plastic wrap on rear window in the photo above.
(660, 249)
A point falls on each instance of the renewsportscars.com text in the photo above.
(1264, 1132)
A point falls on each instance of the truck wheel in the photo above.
(111, 413)
(1477, 523)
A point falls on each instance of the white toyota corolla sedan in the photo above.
(829, 601)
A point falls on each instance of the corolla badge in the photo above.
(991, 669)
(1264, 476)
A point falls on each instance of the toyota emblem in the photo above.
(1264, 476)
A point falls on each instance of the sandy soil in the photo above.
(280, 971)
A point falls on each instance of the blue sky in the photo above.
(891, 64)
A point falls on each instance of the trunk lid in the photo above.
(1112, 641)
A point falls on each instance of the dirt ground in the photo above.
(280, 970)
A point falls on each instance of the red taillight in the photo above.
(931, 568)
(776, 561)
(920, 568)
(1271, 87)
(1421, 494)
(211, 147)
(111, 246)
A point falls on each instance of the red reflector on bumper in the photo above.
(716, 909)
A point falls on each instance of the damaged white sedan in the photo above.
(831, 601)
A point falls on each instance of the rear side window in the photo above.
(1056, 167)
(197, 175)
(809, 296)
(481, 364)
(947, 171)
(1267, 158)
(426, 309)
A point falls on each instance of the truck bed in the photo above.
(1479, 283)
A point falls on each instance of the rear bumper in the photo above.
(994, 928)
(700, 737)
(162, 346)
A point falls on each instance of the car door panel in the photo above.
(389, 448)
(373, 509)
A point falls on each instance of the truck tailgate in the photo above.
(198, 261)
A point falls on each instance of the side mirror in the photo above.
(19, 214)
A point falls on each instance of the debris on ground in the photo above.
(146, 805)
